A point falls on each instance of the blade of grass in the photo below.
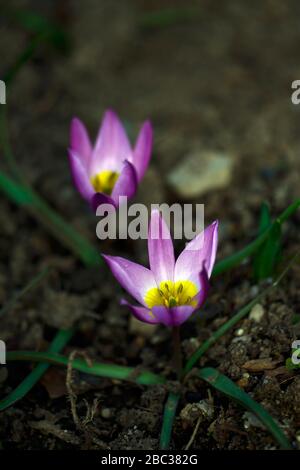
(43, 30)
(214, 337)
(235, 259)
(31, 284)
(24, 56)
(192, 361)
(264, 222)
(59, 342)
(39, 25)
(18, 191)
(289, 364)
(168, 419)
(66, 234)
(111, 371)
(204, 347)
(267, 256)
(234, 320)
(229, 388)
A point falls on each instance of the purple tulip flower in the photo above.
(111, 168)
(169, 292)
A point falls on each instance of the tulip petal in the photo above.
(126, 184)
(80, 176)
(174, 316)
(160, 249)
(112, 145)
(134, 278)
(141, 313)
(143, 149)
(200, 297)
(201, 250)
(80, 141)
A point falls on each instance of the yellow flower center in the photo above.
(104, 181)
(171, 294)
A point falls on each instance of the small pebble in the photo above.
(257, 313)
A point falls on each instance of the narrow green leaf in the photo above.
(31, 284)
(229, 388)
(267, 256)
(40, 26)
(192, 361)
(60, 229)
(235, 259)
(168, 418)
(59, 342)
(265, 217)
(264, 222)
(111, 371)
(9, 156)
(290, 365)
(25, 55)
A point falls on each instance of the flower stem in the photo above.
(177, 356)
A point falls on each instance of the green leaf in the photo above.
(290, 364)
(39, 25)
(191, 362)
(235, 259)
(111, 371)
(229, 388)
(50, 219)
(59, 342)
(168, 418)
(295, 318)
(42, 30)
(266, 258)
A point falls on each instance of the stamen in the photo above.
(172, 302)
(104, 181)
(171, 294)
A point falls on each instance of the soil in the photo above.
(220, 81)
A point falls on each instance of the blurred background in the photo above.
(214, 79)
